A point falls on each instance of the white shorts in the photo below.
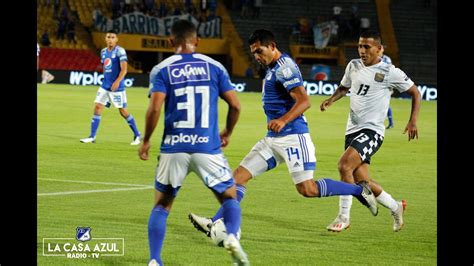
(118, 98)
(297, 150)
(172, 168)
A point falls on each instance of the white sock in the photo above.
(345, 203)
(387, 201)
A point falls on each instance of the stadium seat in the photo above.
(68, 59)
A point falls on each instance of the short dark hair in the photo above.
(371, 34)
(262, 35)
(182, 30)
(112, 31)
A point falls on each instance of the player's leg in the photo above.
(171, 171)
(259, 160)
(119, 100)
(397, 208)
(215, 172)
(157, 225)
(298, 151)
(256, 162)
(101, 100)
(359, 147)
(241, 176)
(390, 118)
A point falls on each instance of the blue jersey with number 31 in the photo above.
(192, 84)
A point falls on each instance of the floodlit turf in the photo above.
(279, 227)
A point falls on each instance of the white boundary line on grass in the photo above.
(93, 182)
(131, 187)
(91, 191)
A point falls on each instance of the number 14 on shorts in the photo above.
(290, 151)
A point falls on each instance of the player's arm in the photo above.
(302, 104)
(230, 97)
(151, 119)
(411, 127)
(123, 72)
(338, 94)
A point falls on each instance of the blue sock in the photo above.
(95, 125)
(240, 194)
(133, 126)
(328, 187)
(390, 118)
(232, 215)
(156, 232)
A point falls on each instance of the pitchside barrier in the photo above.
(428, 92)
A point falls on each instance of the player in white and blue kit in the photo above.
(370, 82)
(190, 85)
(112, 90)
(288, 140)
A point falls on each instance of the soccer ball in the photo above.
(219, 232)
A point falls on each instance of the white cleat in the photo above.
(368, 195)
(88, 140)
(202, 224)
(339, 224)
(153, 262)
(233, 247)
(136, 141)
(398, 216)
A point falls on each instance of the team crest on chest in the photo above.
(379, 77)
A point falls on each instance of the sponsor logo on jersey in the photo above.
(291, 82)
(108, 63)
(193, 71)
(379, 77)
(182, 138)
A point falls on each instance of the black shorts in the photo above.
(366, 142)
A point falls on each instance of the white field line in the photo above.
(131, 187)
(91, 191)
(94, 182)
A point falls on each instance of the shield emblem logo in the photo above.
(379, 77)
(83, 234)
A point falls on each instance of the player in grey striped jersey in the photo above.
(370, 82)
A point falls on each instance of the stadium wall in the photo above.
(84, 78)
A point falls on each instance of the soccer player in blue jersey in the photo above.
(112, 90)
(190, 84)
(386, 59)
(288, 140)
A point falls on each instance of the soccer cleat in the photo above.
(389, 126)
(340, 223)
(88, 140)
(370, 201)
(233, 247)
(202, 224)
(398, 216)
(153, 262)
(136, 140)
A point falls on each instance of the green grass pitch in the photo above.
(279, 227)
